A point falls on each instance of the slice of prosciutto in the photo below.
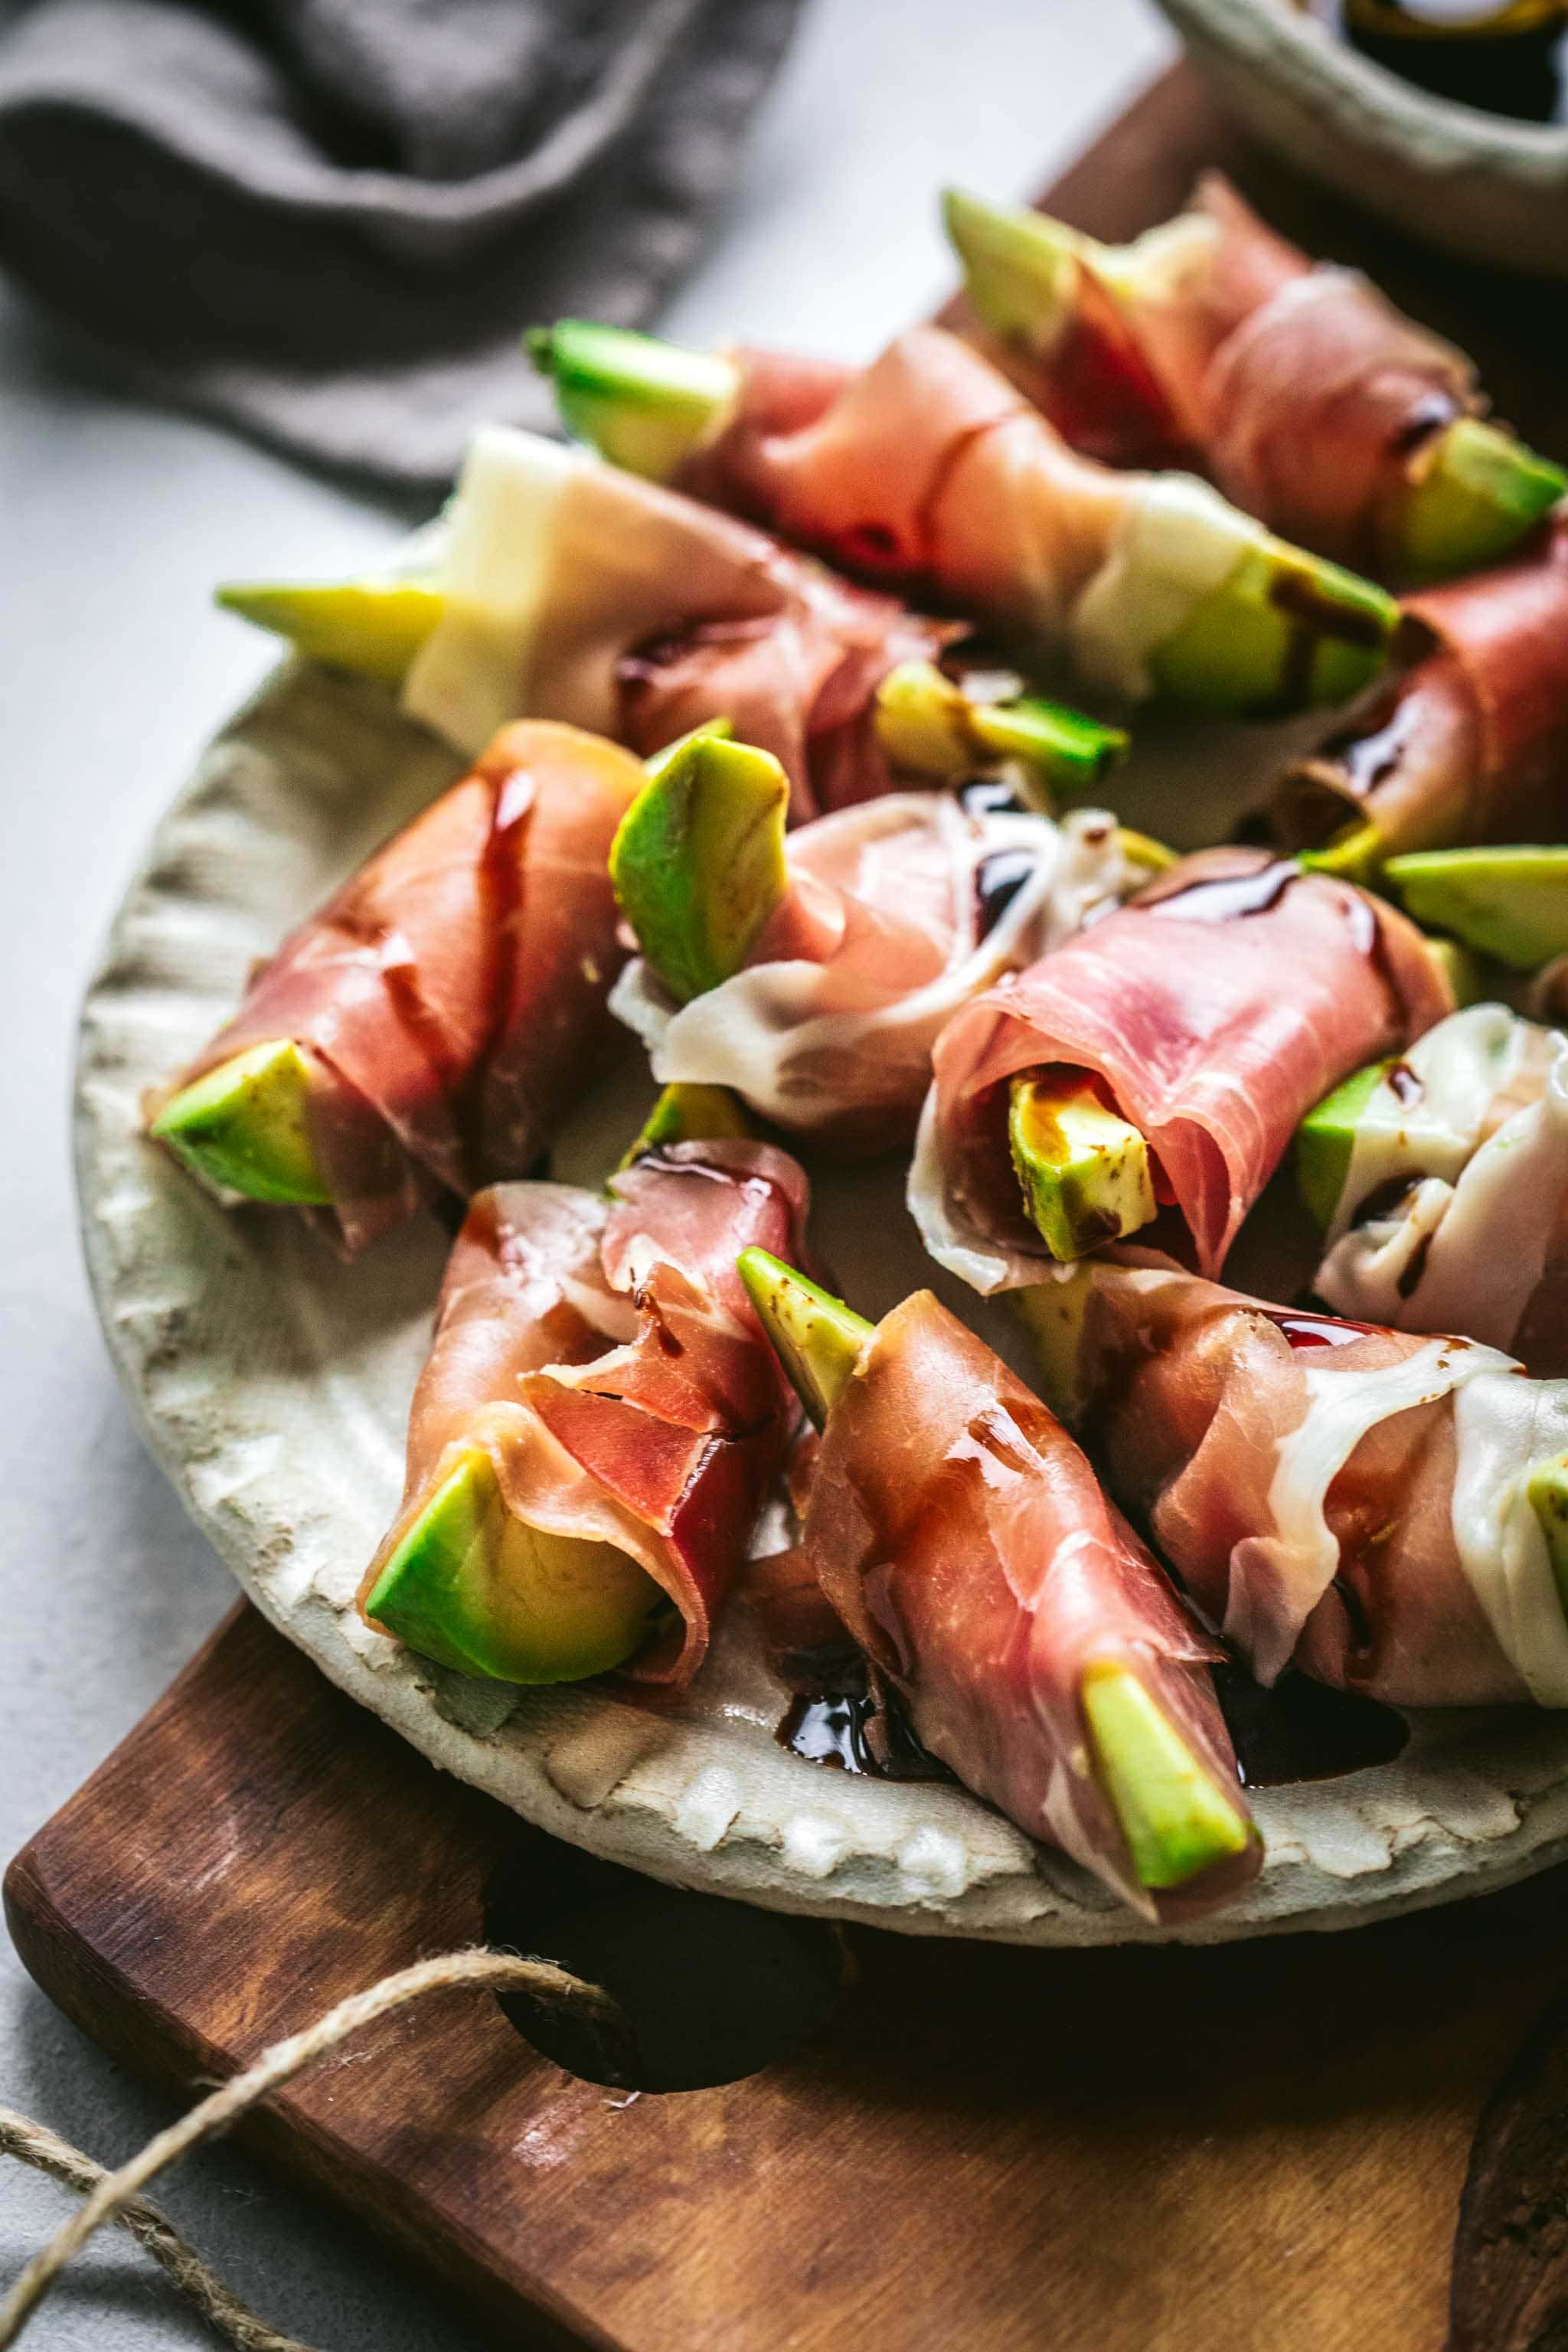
(453, 995)
(964, 1541)
(1345, 1498)
(1471, 745)
(605, 1355)
(1297, 387)
(1454, 1214)
(583, 593)
(1214, 1010)
(929, 470)
(897, 912)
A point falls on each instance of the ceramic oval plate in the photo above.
(273, 1384)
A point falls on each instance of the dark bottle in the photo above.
(1502, 55)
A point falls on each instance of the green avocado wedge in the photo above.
(699, 861)
(1017, 267)
(1284, 631)
(475, 1590)
(1547, 1488)
(816, 1337)
(1355, 853)
(374, 628)
(243, 1127)
(1176, 1822)
(1473, 495)
(1326, 1138)
(686, 1112)
(1510, 903)
(645, 404)
(1054, 1314)
(1083, 1169)
(928, 724)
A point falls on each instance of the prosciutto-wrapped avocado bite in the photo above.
(1156, 1066)
(598, 1425)
(425, 1031)
(964, 1542)
(813, 974)
(580, 593)
(1296, 387)
(1440, 1181)
(1469, 745)
(929, 472)
(1384, 1510)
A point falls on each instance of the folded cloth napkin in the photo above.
(327, 220)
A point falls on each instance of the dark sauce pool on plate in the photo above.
(1300, 1730)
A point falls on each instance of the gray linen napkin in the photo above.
(327, 220)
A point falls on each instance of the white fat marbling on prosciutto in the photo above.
(470, 676)
(1460, 1066)
(782, 1035)
(1466, 1255)
(1504, 1425)
(1277, 1579)
(1176, 542)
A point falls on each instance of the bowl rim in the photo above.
(1283, 40)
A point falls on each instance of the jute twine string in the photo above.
(114, 2196)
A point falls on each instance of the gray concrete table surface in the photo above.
(118, 520)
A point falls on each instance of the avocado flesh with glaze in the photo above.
(699, 861)
(1476, 495)
(816, 1337)
(477, 1589)
(1326, 1140)
(928, 725)
(1083, 1169)
(1241, 650)
(1176, 1822)
(1512, 903)
(645, 404)
(243, 1127)
(687, 1112)
(374, 628)
(1547, 1488)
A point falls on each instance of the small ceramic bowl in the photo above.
(1478, 185)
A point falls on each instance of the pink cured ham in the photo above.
(802, 683)
(454, 993)
(929, 470)
(1216, 1009)
(1454, 1213)
(585, 593)
(962, 1539)
(1096, 385)
(1471, 745)
(605, 1355)
(898, 912)
(1301, 390)
(1302, 1476)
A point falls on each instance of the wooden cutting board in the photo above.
(977, 2147)
(953, 2146)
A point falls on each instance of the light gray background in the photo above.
(115, 520)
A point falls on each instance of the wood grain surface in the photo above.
(1199, 2151)
(1136, 2151)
